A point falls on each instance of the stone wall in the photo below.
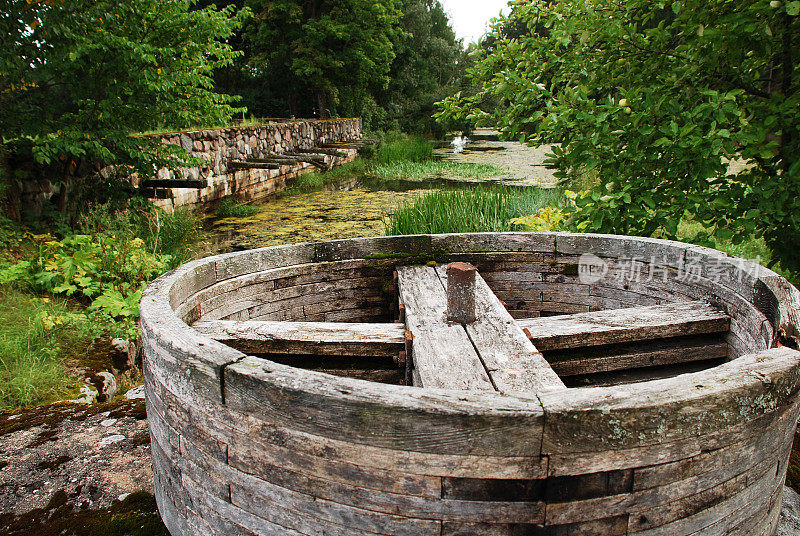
(218, 147)
(243, 445)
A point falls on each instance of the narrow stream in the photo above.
(360, 207)
(355, 210)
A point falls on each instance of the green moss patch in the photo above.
(136, 515)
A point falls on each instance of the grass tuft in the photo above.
(230, 208)
(412, 170)
(402, 148)
(481, 209)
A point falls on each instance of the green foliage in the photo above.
(77, 77)
(107, 264)
(230, 208)
(336, 52)
(468, 210)
(173, 236)
(105, 270)
(655, 100)
(544, 219)
(343, 56)
(36, 335)
(427, 67)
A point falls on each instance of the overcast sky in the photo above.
(470, 18)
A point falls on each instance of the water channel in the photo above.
(360, 207)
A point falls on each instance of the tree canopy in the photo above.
(337, 51)
(387, 61)
(653, 100)
(78, 77)
(428, 64)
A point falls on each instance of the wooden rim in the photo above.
(167, 292)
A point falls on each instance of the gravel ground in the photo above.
(75, 469)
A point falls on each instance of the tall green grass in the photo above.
(402, 148)
(37, 336)
(481, 209)
(230, 208)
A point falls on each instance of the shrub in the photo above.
(654, 100)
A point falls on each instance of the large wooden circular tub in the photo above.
(674, 418)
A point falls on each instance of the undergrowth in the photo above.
(37, 336)
(60, 292)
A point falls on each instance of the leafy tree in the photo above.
(336, 52)
(78, 77)
(654, 100)
(427, 66)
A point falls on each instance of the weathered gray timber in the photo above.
(313, 338)
(509, 357)
(625, 325)
(244, 445)
(442, 352)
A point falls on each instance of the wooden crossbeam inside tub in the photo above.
(443, 356)
(307, 338)
(512, 361)
(625, 325)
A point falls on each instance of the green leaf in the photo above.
(793, 8)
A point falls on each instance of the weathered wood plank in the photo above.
(513, 363)
(442, 352)
(173, 183)
(656, 412)
(244, 164)
(594, 360)
(301, 338)
(625, 325)
(321, 150)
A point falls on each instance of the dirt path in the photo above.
(524, 165)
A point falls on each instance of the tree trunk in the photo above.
(63, 191)
(322, 103)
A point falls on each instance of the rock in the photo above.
(186, 142)
(108, 422)
(106, 385)
(135, 393)
(121, 356)
(789, 522)
(110, 440)
(88, 395)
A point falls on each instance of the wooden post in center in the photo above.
(461, 292)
